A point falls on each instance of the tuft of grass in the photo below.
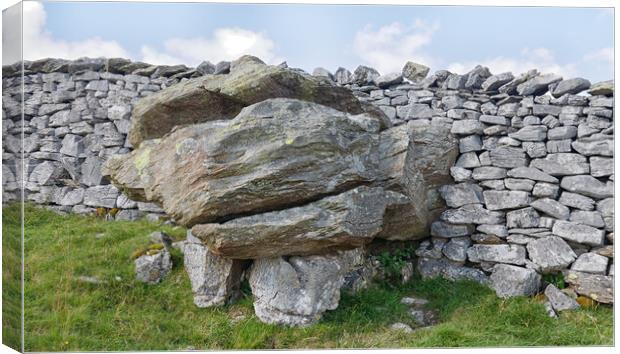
(65, 314)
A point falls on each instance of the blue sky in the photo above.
(570, 41)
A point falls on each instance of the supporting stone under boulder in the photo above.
(215, 280)
(296, 291)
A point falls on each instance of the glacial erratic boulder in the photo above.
(274, 154)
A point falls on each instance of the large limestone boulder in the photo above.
(215, 97)
(298, 290)
(275, 154)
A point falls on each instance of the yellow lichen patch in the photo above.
(586, 302)
(101, 212)
(137, 253)
(142, 159)
(156, 246)
(152, 252)
(113, 211)
(289, 141)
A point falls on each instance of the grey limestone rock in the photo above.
(559, 300)
(522, 218)
(532, 174)
(562, 164)
(152, 268)
(591, 263)
(513, 254)
(579, 233)
(297, 291)
(597, 287)
(500, 200)
(508, 281)
(214, 279)
(414, 71)
(447, 230)
(432, 268)
(588, 186)
(472, 214)
(552, 208)
(364, 75)
(570, 86)
(550, 254)
(494, 82)
(457, 195)
(537, 85)
(530, 133)
(577, 201)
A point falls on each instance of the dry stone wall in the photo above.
(533, 184)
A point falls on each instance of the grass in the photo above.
(64, 314)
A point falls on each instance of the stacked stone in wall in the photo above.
(533, 190)
(76, 114)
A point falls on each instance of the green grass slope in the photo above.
(66, 314)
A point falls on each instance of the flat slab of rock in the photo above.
(472, 214)
(562, 164)
(432, 268)
(591, 263)
(214, 279)
(599, 288)
(579, 233)
(297, 291)
(513, 254)
(213, 97)
(500, 200)
(508, 281)
(588, 186)
(345, 221)
(550, 253)
(273, 154)
(457, 195)
(552, 208)
(531, 173)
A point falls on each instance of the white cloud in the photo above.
(39, 43)
(389, 47)
(605, 55)
(225, 44)
(542, 59)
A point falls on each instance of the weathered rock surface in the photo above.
(588, 186)
(274, 154)
(152, 268)
(214, 97)
(297, 291)
(597, 287)
(579, 233)
(345, 221)
(508, 281)
(513, 254)
(214, 279)
(591, 263)
(559, 300)
(550, 253)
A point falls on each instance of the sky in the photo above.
(568, 41)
